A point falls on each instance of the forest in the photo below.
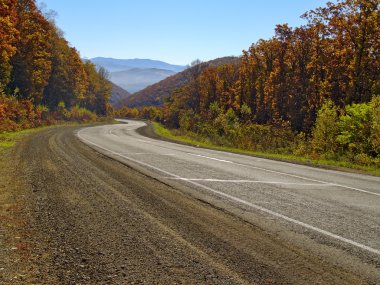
(312, 91)
(42, 78)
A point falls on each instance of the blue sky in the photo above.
(175, 31)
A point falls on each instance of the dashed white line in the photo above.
(241, 201)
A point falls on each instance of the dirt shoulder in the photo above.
(88, 219)
(15, 252)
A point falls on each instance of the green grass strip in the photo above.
(204, 142)
(9, 139)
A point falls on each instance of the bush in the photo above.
(79, 114)
(326, 129)
(375, 126)
(301, 145)
(186, 120)
(355, 129)
(19, 114)
(363, 159)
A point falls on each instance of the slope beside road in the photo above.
(124, 209)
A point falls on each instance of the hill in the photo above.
(154, 95)
(118, 94)
(137, 79)
(114, 65)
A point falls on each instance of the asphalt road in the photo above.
(336, 208)
(122, 208)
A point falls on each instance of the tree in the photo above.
(352, 27)
(68, 80)
(32, 60)
(355, 128)
(9, 36)
(375, 128)
(326, 130)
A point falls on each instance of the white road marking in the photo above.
(212, 158)
(148, 153)
(111, 133)
(276, 172)
(241, 201)
(248, 181)
(286, 174)
(145, 141)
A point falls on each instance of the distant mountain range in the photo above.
(137, 79)
(136, 74)
(113, 64)
(118, 94)
(154, 95)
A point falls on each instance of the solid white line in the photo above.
(145, 141)
(212, 158)
(285, 174)
(248, 181)
(241, 201)
(276, 172)
(148, 153)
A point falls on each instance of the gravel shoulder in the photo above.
(75, 216)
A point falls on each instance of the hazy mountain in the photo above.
(136, 74)
(113, 64)
(118, 94)
(155, 94)
(136, 79)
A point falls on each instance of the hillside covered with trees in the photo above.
(311, 90)
(155, 94)
(42, 78)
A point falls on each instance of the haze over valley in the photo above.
(135, 74)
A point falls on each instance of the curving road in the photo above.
(328, 211)
(106, 205)
(343, 208)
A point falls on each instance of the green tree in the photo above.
(355, 128)
(326, 130)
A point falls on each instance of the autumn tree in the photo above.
(98, 90)
(40, 71)
(352, 27)
(68, 80)
(8, 38)
(32, 60)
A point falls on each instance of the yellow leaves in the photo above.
(8, 38)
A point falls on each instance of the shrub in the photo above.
(326, 129)
(79, 114)
(355, 129)
(375, 126)
(18, 114)
(301, 146)
(363, 159)
(186, 120)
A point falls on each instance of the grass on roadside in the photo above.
(9, 139)
(201, 142)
